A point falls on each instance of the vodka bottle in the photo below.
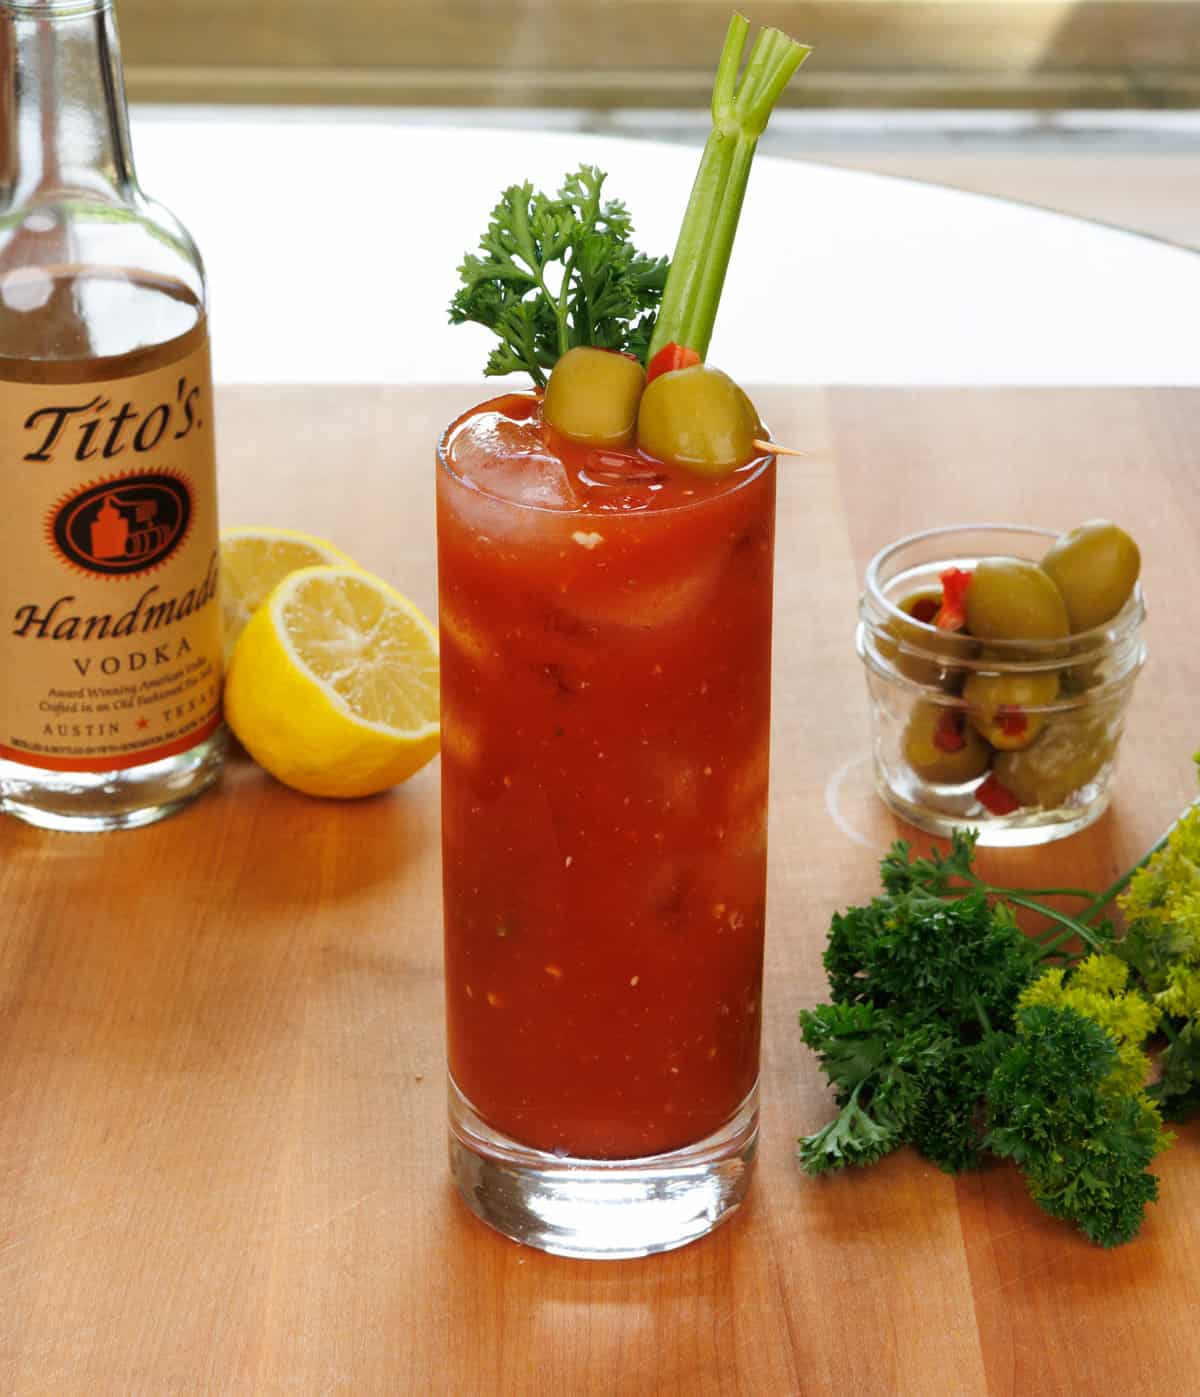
(110, 630)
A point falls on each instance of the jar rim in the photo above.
(1027, 655)
(54, 9)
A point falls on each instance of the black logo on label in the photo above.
(122, 526)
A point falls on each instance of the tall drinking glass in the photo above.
(606, 650)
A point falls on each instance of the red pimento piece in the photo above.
(995, 797)
(948, 733)
(953, 615)
(924, 609)
(1012, 722)
(669, 358)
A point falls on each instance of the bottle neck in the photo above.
(64, 129)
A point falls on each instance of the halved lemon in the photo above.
(254, 561)
(333, 684)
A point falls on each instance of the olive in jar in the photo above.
(698, 418)
(1095, 568)
(1070, 752)
(933, 666)
(1013, 599)
(593, 396)
(998, 702)
(941, 747)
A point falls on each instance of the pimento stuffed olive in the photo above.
(700, 419)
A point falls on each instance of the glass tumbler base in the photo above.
(1019, 830)
(94, 802)
(602, 1209)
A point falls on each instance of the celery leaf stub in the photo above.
(740, 111)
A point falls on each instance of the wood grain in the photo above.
(222, 1157)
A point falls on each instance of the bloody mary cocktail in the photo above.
(605, 552)
(605, 662)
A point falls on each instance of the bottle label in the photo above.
(110, 622)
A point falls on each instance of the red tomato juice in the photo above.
(605, 660)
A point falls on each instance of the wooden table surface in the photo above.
(222, 1141)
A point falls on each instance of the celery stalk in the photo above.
(740, 112)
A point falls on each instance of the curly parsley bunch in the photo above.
(921, 986)
(948, 1031)
(1069, 1102)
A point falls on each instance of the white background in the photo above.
(332, 239)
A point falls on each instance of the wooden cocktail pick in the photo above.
(772, 448)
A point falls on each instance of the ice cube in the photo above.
(507, 459)
(534, 479)
(649, 599)
(617, 487)
(461, 739)
(748, 788)
(458, 629)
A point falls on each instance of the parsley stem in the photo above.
(1076, 927)
(564, 335)
(1023, 898)
(1046, 948)
(1086, 893)
(697, 276)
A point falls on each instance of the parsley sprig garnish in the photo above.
(951, 1030)
(560, 272)
(556, 273)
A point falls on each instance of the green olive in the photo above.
(1013, 599)
(941, 747)
(698, 418)
(1067, 755)
(998, 701)
(593, 396)
(1095, 567)
(924, 668)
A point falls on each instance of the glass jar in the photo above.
(1017, 739)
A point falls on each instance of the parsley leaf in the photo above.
(1178, 1089)
(559, 272)
(1162, 945)
(854, 1136)
(1083, 1147)
(927, 957)
(923, 987)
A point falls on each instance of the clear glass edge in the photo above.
(1127, 619)
(513, 1152)
(764, 462)
(54, 9)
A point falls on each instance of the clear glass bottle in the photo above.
(110, 629)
